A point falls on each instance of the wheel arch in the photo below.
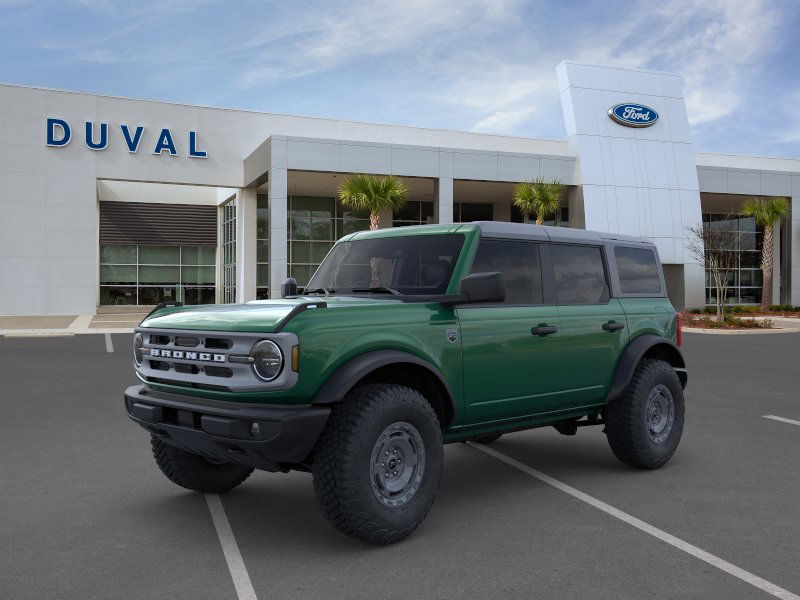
(391, 366)
(645, 346)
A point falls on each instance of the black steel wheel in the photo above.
(378, 463)
(644, 425)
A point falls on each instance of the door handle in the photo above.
(543, 330)
(613, 326)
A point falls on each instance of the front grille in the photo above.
(199, 359)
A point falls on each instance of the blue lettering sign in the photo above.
(165, 143)
(132, 142)
(193, 151)
(633, 115)
(64, 134)
(90, 143)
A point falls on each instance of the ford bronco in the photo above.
(406, 339)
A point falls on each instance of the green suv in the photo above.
(406, 339)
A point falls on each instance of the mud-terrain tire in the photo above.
(194, 472)
(645, 424)
(487, 439)
(378, 463)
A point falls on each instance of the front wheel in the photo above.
(645, 424)
(378, 463)
(194, 472)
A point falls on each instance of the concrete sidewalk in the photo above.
(66, 325)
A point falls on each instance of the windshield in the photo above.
(410, 265)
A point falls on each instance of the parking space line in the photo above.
(678, 543)
(109, 343)
(238, 571)
(782, 419)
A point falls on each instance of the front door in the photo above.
(511, 350)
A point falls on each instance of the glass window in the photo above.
(745, 278)
(638, 271)
(159, 255)
(414, 265)
(262, 247)
(464, 212)
(414, 212)
(579, 274)
(519, 264)
(118, 255)
(228, 250)
(187, 274)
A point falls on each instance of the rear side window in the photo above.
(638, 270)
(579, 274)
(519, 264)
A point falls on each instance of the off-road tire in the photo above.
(626, 422)
(194, 472)
(343, 462)
(487, 439)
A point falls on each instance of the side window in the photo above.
(579, 274)
(519, 264)
(638, 270)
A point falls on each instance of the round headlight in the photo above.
(138, 343)
(268, 360)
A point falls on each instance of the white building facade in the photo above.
(109, 201)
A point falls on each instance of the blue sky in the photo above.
(479, 65)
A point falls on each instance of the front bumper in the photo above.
(225, 431)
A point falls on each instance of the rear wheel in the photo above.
(378, 463)
(644, 426)
(194, 472)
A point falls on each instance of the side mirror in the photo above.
(483, 287)
(289, 287)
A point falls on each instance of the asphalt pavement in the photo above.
(86, 513)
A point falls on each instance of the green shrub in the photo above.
(710, 310)
(695, 311)
(782, 308)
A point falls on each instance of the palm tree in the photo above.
(766, 211)
(373, 193)
(539, 197)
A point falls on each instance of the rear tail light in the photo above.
(678, 329)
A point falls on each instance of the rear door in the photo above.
(593, 325)
(511, 350)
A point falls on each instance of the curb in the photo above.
(737, 331)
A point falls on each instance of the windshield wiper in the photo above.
(320, 290)
(385, 289)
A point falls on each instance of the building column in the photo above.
(793, 270)
(278, 229)
(387, 217)
(246, 205)
(443, 194)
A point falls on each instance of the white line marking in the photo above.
(109, 343)
(241, 580)
(715, 561)
(782, 419)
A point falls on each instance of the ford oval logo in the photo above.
(633, 115)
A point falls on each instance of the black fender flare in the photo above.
(348, 374)
(633, 354)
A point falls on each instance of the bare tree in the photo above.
(714, 246)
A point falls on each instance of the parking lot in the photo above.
(86, 513)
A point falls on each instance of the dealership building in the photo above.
(113, 201)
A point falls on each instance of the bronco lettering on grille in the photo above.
(182, 354)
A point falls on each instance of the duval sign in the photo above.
(59, 134)
(633, 115)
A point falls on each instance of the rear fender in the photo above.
(645, 346)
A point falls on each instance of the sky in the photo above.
(471, 65)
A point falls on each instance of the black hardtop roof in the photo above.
(553, 234)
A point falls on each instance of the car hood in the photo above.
(260, 316)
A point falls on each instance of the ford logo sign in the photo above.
(633, 115)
